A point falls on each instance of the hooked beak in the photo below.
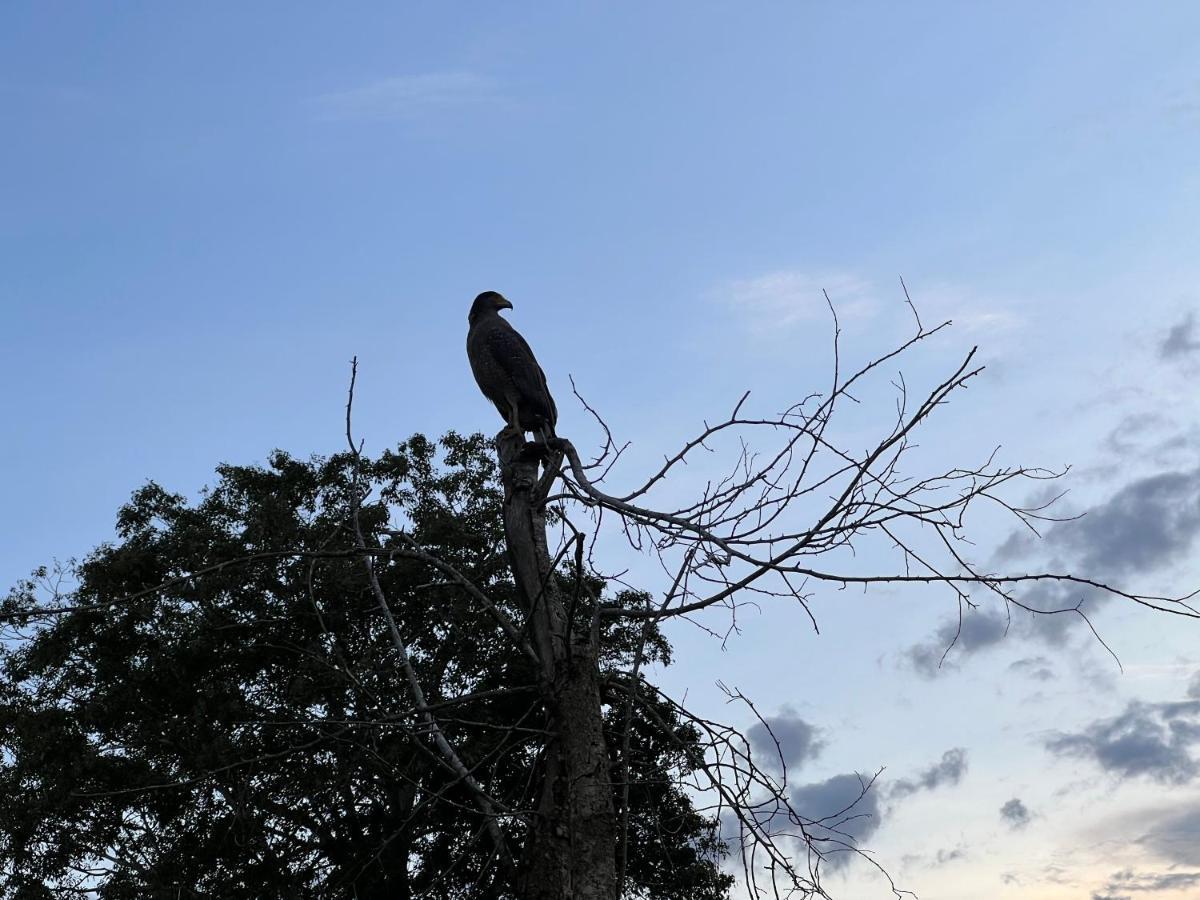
(503, 303)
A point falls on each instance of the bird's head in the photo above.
(488, 302)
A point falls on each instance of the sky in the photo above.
(207, 210)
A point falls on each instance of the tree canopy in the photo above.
(211, 705)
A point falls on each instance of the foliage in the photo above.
(214, 708)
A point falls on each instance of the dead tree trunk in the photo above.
(570, 854)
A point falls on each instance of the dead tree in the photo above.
(783, 520)
(569, 852)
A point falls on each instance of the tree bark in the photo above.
(570, 853)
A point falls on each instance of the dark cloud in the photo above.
(838, 815)
(1147, 739)
(1098, 896)
(843, 812)
(1170, 450)
(949, 856)
(1129, 880)
(1036, 667)
(1053, 615)
(1015, 813)
(1147, 523)
(979, 628)
(1175, 836)
(1149, 437)
(1193, 690)
(949, 771)
(1180, 340)
(1054, 605)
(1053, 610)
(798, 741)
(1019, 544)
(1129, 435)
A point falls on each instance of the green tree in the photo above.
(212, 706)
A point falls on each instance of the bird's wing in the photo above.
(513, 354)
(543, 386)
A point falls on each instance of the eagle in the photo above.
(506, 371)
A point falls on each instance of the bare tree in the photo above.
(784, 519)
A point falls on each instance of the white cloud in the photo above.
(407, 96)
(780, 300)
(971, 312)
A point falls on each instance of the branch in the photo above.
(488, 805)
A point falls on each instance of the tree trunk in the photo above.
(570, 853)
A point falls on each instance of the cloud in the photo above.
(1127, 435)
(1148, 739)
(838, 815)
(949, 856)
(1147, 523)
(780, 300)
(1049, 618)
(972, 321)
(979, 628)
(1180, 340)
(1175, 447)
(1175, 836)
(1015, 813)
(844, 813)
(1193, 690)
(1054, 604)
(1129, 880)
(971, 312)
(942, 857)
(1020, 543)
(949, 771)
(1036, 667)
(798, 741)
(407, 96)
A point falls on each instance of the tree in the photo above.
(174, 724)
(459, 646)
(779, 520)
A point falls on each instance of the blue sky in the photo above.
(205, 211)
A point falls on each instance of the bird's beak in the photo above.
(503, 303)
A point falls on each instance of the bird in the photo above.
(507, 371)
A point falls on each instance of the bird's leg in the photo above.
(533, 450)
(514, 420)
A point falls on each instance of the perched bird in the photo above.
(506, 370)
